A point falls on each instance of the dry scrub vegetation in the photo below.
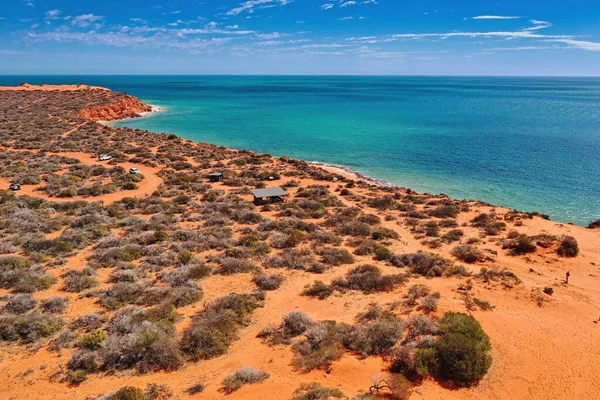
(120, 289)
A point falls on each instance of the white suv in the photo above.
(104, 157)
(134, 171)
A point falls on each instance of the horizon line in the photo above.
(316, 75)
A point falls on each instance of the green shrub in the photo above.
(463, 349)
(382, 253)
(130, 186)
(93, 340)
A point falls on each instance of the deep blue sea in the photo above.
(527, 143)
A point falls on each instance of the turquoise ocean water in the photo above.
(527, 143)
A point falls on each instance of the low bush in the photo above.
(154, 391)
(320, 347)
(230, 266)
(568, 247)
(462, 349)
(55, 305)
(444, 212)
(368, 279)
(315, 391)
(268, 281)
(141, 339)
(29, 327)
(376, 336)
(426, 264)
(213, 330)
(522, 244)
(429, 304)
(19, 304)
(93, 340)
(336, 257)
(594, 225)
(453, 235)
(195, 388)
(125, 393)
(77, 281)
(318, 289)
(241, 377)
(468, 253)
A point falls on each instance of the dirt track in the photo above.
(149, 184)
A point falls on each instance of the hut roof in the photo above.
(269, 192)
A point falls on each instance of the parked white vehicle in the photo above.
(15, 186)
(104, 157)
(134, 171)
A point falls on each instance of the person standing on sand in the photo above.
(568, 275)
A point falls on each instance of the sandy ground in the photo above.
(548, 352)
(48, 88)
(149, 184)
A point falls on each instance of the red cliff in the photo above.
(130, 107)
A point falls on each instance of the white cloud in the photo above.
(249, 6)
(327, 6)
(51, 15)
(85, 20)
(495, 17)
(580, 44)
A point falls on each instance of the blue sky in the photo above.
(443, 37)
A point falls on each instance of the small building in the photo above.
(216, 177)
(268, 195)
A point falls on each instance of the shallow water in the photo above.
(527, 143)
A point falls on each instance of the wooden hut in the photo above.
(268, 195)
(216, 177)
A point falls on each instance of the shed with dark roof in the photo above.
(216, 177)
(269, 195)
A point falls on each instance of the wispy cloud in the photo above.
(249, 6)
(51, 15)
(495, 17)
(83, 21)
